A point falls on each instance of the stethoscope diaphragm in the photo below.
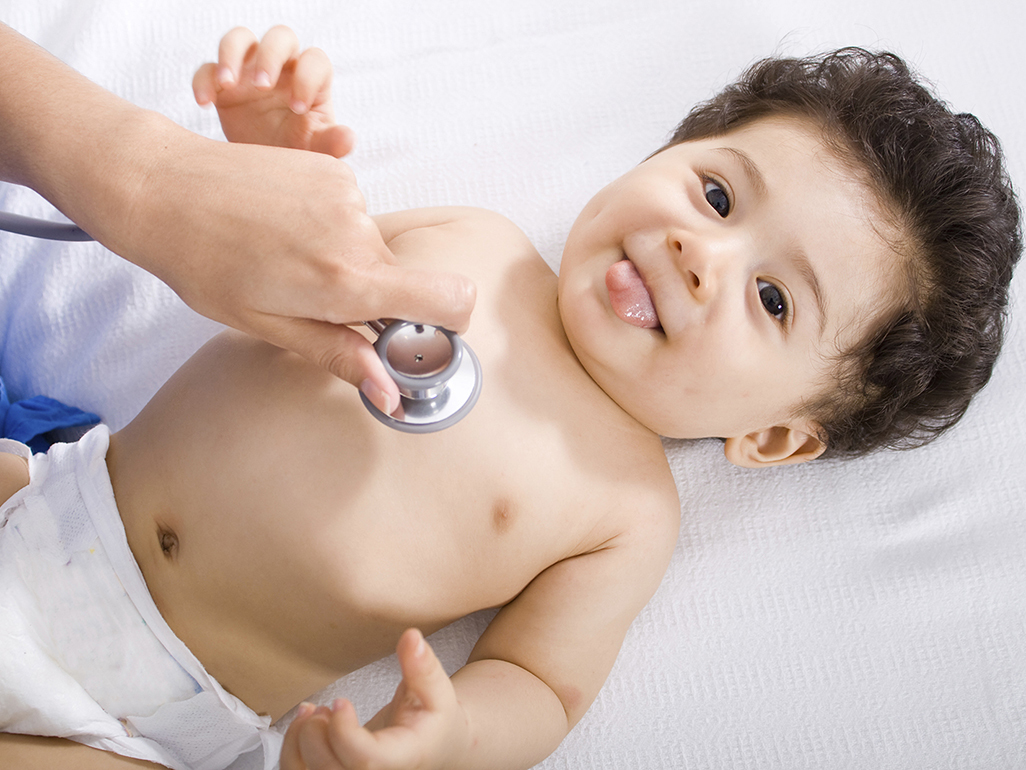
(438, 375)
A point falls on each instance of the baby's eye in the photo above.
(772, 299)
(717, 198)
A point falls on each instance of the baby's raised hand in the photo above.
(270, 92)
(422, 727)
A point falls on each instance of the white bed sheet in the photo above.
(868, 614)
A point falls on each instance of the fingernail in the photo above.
(421, 647)
(262, 80)
(305, 710)
(336, 705)
(299, 107)
(376, 395)
(225, 76)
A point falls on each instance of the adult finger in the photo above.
(342, 351)
(425, 296)
(276, 47)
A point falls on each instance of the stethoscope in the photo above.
(438, 375)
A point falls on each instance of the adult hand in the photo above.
(273, 241)
(271, 92)
(277, 243)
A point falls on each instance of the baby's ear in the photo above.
(779, 445)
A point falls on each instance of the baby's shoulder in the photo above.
(630, 481)
(467, 218)
(446, 236)
(649, 503)
(633, 518)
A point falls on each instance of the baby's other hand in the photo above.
(271, 92)
(423, 726)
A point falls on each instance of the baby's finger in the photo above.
(311, 84)
(315, 744)
(336, 141)
(422, 671)
(204, 84)
(231, 55)
(291, 757)
(354, 744)
(278, 46)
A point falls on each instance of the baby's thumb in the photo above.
(422, 671)
(336, 141)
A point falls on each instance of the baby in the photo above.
(818, 261)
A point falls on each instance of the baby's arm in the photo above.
(530, 678)
(271, 92)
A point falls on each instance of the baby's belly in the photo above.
(291, 597)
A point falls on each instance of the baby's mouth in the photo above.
(629, 296)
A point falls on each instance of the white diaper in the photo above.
(84, 652)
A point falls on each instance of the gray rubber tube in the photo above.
(41, 228)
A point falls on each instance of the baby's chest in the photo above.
(472, 530)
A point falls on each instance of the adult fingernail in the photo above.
(376, 396)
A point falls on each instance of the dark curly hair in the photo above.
(941, 177)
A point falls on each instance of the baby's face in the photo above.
(709, 290)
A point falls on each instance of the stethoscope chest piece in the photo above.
(438, 375)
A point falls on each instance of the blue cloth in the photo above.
(31, 419)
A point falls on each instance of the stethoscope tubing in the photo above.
(42, 228)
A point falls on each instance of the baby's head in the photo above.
(899, 242)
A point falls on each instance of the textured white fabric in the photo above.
(86, 654)
(861, 615)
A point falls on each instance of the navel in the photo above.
(168, 542)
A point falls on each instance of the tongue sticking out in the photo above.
(629, 297)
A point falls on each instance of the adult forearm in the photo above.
(62, 135)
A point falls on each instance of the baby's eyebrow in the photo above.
(808, 275)
(751, 170)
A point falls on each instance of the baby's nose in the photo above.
(702, 263)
